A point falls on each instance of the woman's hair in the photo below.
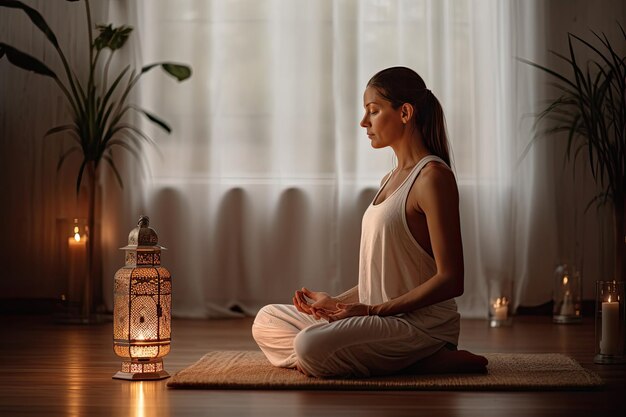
(401, 85)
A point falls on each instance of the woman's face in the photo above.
(382, 122)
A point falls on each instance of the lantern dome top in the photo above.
(143, 236)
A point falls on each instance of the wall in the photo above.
(586, 236)
(36, 196)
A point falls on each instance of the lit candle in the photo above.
(500, 308)
(567, 308)
(77, 263)
(610, 327)
(77, 243)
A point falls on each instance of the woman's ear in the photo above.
(406, 112)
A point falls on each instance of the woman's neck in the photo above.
(409, 151)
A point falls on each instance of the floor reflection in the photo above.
(147, 398)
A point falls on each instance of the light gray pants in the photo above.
(357, 346)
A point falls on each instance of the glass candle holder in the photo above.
(609, 322)
(566, 294)
(500, 298)
(72, 253)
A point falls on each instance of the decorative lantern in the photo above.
(142, 307)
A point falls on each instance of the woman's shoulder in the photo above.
(436, 173)
(436, 178)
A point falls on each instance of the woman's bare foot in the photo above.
(446, 361)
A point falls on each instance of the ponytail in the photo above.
(402, 85)
(433, 123)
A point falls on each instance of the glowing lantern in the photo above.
(142, 307)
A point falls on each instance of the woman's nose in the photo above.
(364, 121)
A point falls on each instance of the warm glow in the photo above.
(140, 405)
(142, 309)
(609, 298)
(500, 302)
(565, 280)
(76, 236)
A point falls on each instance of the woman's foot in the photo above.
(446, 361)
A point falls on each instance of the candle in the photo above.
(500, 309)
(567, 308)
(610, 327)
(77, 263)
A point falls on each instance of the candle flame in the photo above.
(500, 302)
(565, 280)
(77, 237)
(609, 298)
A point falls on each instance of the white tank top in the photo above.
(392, 262)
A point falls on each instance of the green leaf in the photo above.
(128, 147)
(71, 128)
(81, 170)
(179, 71)
(591, 110)
(547, 70)
(26, 61)
(40, 22)
(155, 119)
(133, 129)
(106, 108)
(115, 171)
(59, 129)
(112, 38)
(65, 155)
(34, 16)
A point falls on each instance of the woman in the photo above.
(401, 317)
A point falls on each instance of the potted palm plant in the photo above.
(591, 110)
(99, 112)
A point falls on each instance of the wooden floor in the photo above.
(65, 370)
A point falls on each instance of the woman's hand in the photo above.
(319, 302)
(344, 311)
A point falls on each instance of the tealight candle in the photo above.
(500, 309)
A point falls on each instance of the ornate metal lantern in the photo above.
(142, 307)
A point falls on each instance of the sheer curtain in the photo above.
(260, 188)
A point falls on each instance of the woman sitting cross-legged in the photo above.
(401, 317)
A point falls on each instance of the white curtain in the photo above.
(261, 186)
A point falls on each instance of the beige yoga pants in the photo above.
(357, 346)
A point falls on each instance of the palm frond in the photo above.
(153, 118)
(65, 155)
(111, 163)
(590, 109)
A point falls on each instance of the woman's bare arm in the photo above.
(438, 197)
